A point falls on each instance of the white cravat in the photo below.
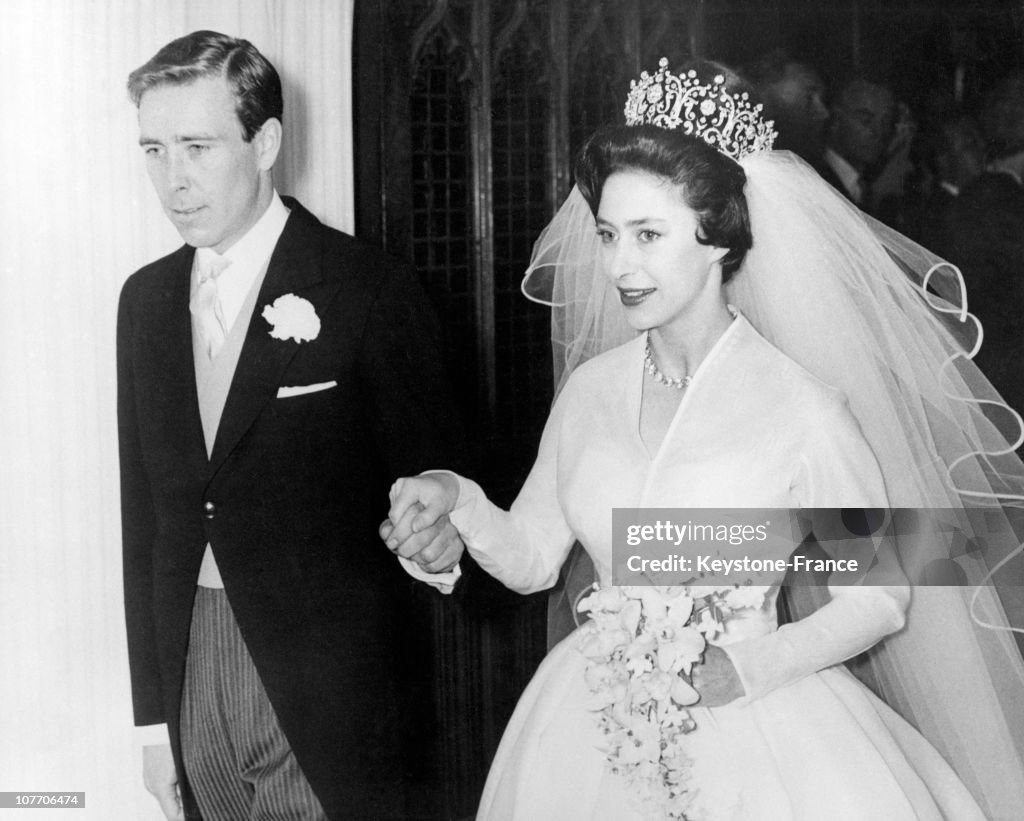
(217, 304)
(212, 326)
(205, 304)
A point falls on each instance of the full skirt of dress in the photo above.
(824, 747)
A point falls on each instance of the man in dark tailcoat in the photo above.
(857, 138)
(274, 376)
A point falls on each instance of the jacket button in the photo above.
(211, 509)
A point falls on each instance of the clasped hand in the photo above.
(418, 527)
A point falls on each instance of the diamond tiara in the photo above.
(727, 122)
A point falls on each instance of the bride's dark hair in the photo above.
(710, 183)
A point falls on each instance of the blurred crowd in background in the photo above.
(947, 173)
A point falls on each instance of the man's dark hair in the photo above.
(253, 80)
(769, 68)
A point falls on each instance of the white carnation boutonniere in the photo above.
(292, 317)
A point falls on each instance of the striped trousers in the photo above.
(237, 759)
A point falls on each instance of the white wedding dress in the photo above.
(807, 741)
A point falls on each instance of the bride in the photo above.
(734, 334)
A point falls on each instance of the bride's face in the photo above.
(650, 252)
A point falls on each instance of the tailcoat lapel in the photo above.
(169, 327)
(295, 268)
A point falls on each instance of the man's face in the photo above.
(797, 104)
(864, 122)
(210, 182)
(801, 93)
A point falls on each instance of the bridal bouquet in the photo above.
(641, 644)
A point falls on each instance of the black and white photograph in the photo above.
(513, 410)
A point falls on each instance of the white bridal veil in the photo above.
(871, 313)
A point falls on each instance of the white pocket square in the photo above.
(298, 390)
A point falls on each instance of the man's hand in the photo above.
(716, 679)
(418, 526)
(161, 779)
(437, 548)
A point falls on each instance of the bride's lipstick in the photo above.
(634, 296)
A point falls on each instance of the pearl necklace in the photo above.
(679, 383)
